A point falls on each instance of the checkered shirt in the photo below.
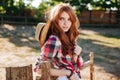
(52, 51)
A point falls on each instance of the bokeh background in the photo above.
(99, 33)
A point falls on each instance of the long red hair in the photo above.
(68, 39)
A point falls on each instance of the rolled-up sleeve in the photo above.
(51, 47)
(48, 51)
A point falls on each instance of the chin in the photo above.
(66, 31)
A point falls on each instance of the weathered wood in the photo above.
(19, 73)
(45, 66)
(91, 66)
(37, 78)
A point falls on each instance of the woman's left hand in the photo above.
(77, 50)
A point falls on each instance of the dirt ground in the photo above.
(18, 47)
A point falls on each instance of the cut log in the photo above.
(45, 66)
(19, 73)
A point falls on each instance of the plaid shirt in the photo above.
(52, 51)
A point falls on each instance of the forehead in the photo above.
(64, 14)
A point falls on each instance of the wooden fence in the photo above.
(26, 73)
(100, 18)
(18, 20)
(87, 18)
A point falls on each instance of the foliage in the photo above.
(8, 7)
(105, 4)
(44, 7)
(13, 7)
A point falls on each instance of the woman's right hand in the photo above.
(77, 50)
(74, 77)
(38, 71)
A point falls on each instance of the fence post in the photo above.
(25, 20)
(90, 17)
(19, 73)
(91, 66)
(2, 19)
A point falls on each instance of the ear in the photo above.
(38, 30)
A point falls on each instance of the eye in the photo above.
(61, 18)
(69, 19)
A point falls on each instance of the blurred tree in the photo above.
(19, 7)
(105, 4)
(95, 4)
(79, 5)
(118, 8)
(10, 7)
(117, 4)
(45, 6)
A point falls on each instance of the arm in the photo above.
(48, 50)
(63, 72)
(86, 64)
(77, 52)
(56, 72)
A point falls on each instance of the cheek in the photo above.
(70, 23)
(60, 23)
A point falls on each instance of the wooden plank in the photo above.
(91, 66)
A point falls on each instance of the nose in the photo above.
(65, 22)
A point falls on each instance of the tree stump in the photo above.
(45, 66)
(19, 73)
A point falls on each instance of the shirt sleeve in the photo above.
(48, 51)
(80, 61)
(51, 47)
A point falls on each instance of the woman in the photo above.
(58, 43)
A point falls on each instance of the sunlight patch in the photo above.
(9, 27)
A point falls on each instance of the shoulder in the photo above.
(53, 37)
(54, 40)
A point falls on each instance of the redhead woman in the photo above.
(58, 42)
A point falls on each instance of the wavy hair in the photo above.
(68, 39)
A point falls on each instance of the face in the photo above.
(64, 22)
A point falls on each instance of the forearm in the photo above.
(56, 72)
(86, 64)
(59, 72)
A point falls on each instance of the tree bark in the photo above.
(19, 73)
(45, 66)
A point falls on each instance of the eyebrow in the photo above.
(63, 17)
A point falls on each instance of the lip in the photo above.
(65, 27)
